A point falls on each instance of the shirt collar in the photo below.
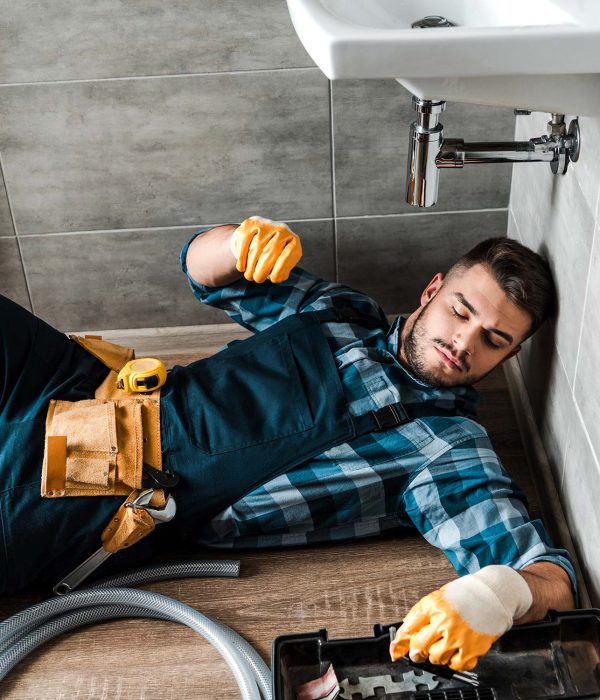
(466, 397)
(393, 334)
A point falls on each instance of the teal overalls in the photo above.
(228, 423)
(258, 408)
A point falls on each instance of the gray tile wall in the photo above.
(560, 216)
(12, 277)
(123, 126)
(6, 224)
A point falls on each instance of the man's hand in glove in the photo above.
(265, 249)
(459, 622)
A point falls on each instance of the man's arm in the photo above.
(521, 574)
(264, 249)
(264, 284)
(550, 588)
(210, 260)
(459, 622)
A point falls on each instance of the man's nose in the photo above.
(463, 341)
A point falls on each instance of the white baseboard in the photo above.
(550, 505)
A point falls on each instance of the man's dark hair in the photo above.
(523, 275)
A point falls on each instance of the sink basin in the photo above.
(532, 54)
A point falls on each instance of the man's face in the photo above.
(463, 329)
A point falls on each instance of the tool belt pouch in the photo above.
(86, 454)
(127, 526)
(112, 355)
(97, 447)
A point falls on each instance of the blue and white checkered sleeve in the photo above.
(464, 503)
(258, 306)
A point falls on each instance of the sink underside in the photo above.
(576, 95)
(532, 54)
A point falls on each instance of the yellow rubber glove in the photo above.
(459, 622)
(265, 249)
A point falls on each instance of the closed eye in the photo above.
(486, 337)
(492, 345)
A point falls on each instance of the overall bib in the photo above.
(258, 408)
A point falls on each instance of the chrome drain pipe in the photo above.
(428, 151)
(425, 141)
(455, 153)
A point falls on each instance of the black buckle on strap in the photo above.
(155, 478)
(387, 417)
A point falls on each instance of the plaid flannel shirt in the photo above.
(438, 474)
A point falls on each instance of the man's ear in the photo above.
(432, 288)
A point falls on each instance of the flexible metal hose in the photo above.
(30, 628)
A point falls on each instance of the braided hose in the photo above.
(22, 623)
(181, 569)
(30, 628)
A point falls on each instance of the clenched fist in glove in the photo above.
(265, 249)
(459, 622)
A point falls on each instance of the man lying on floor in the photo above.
(326, 424)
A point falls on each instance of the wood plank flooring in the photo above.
(344, 587)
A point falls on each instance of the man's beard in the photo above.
(414, 350)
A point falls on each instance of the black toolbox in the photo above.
(556, 658)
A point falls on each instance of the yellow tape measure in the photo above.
(145, 374)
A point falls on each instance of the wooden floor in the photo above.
(346, 587)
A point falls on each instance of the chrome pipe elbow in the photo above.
(425, 141)
(428, 151)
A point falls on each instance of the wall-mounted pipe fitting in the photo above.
(428, 151)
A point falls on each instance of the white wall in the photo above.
(559, 217)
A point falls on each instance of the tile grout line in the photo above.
(157, 77)
(16, 236)
(297, 221)
(594, 244)
(595, 214)
(423, 213)
(579, 415)
(586, 434)
(565, 450)
(577, 408)
(512, 172)
(333, 189)
(563, 456)
(585, 298)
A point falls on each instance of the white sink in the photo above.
(533, 54)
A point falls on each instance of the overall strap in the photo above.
(389, 416)
(393, 415)
(344, 313)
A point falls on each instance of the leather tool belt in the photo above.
(101, 446)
